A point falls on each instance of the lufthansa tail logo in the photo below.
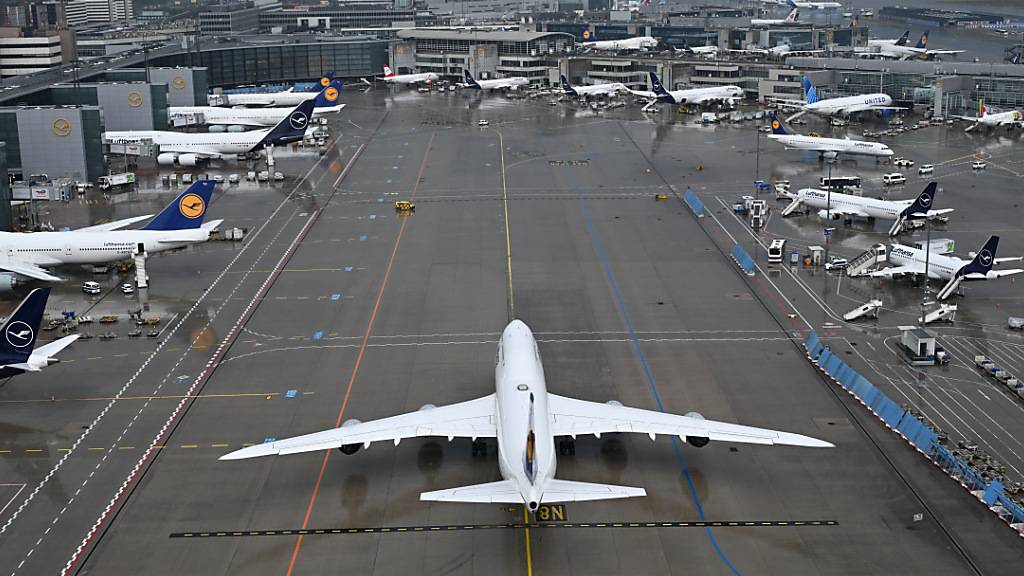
(926, 199)
(192, 206)
(985, 257)
(775, 124)
(331, 94)
(325, 81)
(19, 334)
(298, 120)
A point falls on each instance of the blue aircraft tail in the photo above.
(922, 43)
(810, 93)
(292, 127)
(473, 83)
(566, 87)
(776, 124)
(329, 95)
(659, 88)
(187, 210)
(984, 260)
(903, 39)
(924, 201)
(22, 327)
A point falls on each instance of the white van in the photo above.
(893, 179)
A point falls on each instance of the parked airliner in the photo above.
(995, 120)
(325, 102)
(409, 79)
(525, 420)
(838, 206)
(794, 15)
(17, 352)
(627, 44)
(727, 95)
(288, 98)
(608, 89)
(826, 147)
(188, 149)
(842, 106)
(908, 260)
(510, 83)
(179, 224)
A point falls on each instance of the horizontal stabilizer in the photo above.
(569, 491)
(501, 492)
(51, 349)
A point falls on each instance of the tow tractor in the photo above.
(404, 206)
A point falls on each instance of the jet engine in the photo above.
(829, 215)
(830, 155)
(697, 441)
(7, 282)
(166, 159)
(350, 449)
(217, 129)
(188, 159)
(235, 128)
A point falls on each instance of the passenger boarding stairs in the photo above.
(141, 277)
(867, 261)
(792, 206)
(945, 312)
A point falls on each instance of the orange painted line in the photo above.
(359, 356)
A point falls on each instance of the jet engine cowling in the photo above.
(829, 215)
(166, 159)
(188, 159)
(697, 441)
(8, 282)
(350, 449)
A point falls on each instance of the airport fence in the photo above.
(916, 433)
(694, 203)
(743, 259)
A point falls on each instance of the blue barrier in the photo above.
(913, 430)
(694, 203)
(743, 259)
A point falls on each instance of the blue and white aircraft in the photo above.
(18, 337)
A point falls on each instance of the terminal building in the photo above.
(59, 141)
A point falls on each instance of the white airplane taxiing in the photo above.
(995, 120)
(188, 149)
(525, 419)
(178, 225)
(908, 260)
(828, 148)
(844, 106)
(324, 102)
(728, 95)
(510, 83)
(623, 45)
(794, 15)
(609, 89)
(837, 206)
(17, 352)
(409, 79)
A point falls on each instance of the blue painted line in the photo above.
(269, 439)
(291, 393)
(318, 334)
(349, 268)
(362, 237)
(620, 302)
(335, 296)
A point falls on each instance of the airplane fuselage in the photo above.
(224, 143)
(411, 78)
(46, 249)
(873, 207)
(525, 454)
(847, 105)
(267, 117)
(705, 95)
(638, 43)
(832, 145)
(940, 267)
(289, 99)
(500, 83)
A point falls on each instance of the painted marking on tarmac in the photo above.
(159, 397)
(509, 526)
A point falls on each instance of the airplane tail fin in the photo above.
(470, 80)
(923, 203)
(569, 491)
(328, 97)
(566, 87)
(983, 260)
(903, 39)
(292, 127)
(854, 22)
(791, 3)
(810, 93)
(187, 210)
(922, 43)
(659, 88)
(981, 108)
(22, 327)
(793, 15)
(388, 72)
(776, 124)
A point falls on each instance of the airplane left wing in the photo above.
(993, 274)
(896, 271)
(571, 417)
(29, 270)
(115, 225)
(471, 419)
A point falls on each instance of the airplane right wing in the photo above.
(29, 270)
(470, 419)
(115, 225)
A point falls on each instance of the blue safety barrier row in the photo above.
(915, 432)
(694, 203)
(743, 259)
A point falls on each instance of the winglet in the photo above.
(18, 334)
(186, 212)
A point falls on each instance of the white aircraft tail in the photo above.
(570, 491)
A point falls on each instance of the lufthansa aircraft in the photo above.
(608, 89)
(826, 147)
(188, 149)
(525, 420)
(908, 260)
(288, 98)
(325, 102)
(510, 83)
(727, 95)
(178, 225)
(17, 354)
(836, 206)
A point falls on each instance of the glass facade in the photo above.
(285, 62)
